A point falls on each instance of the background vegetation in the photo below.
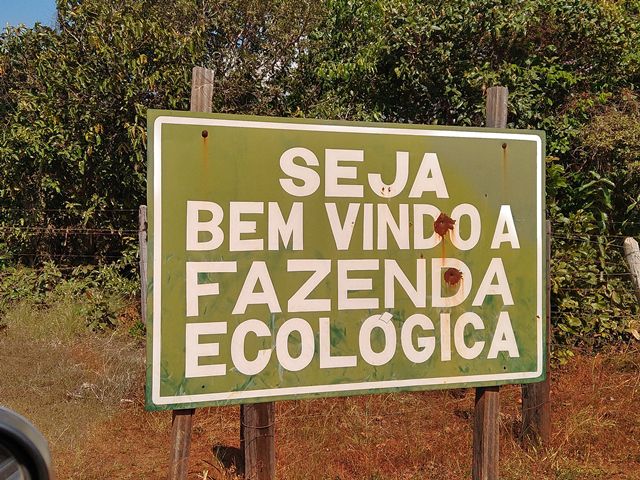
(73, 101)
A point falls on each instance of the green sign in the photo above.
(301, 258)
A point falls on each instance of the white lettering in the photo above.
(426, 345)
(342, 233)
(504, 340)
(238, 226)
(505, 220)
(238, 357)
(287, 230)
(384, 323)
(346, 284)
(465, 209)
(307, 344)
(386, 222)
(300, 301)
(466, 352)
(326, 359)
(464, 286)
(495, 270)
(258, 273)
(429, 178)
(335, 172)
(418, 295)
(195, 226)
(193, 349)
(402, 175)
(196, 290)
(309, 177)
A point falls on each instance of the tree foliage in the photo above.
(253, 47)
(73, 104)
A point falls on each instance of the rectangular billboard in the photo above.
(295, 258)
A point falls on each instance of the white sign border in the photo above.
(157, 399)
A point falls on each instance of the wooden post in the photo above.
(632, 256)
(182, 421)
(486, 435)
(142, 239)
(536, 403)
(201, 93)
(258, 440)
(486, 438)
(497, 107)
(201, 89)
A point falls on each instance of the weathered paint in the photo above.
(238, 161)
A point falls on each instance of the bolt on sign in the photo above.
(302, 258)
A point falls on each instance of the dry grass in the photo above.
(57, 323)
(86, 393)
(63, 378)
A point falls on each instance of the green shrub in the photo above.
(95, 294)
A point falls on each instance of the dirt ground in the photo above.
(86, 394)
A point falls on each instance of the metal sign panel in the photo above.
(299, 258)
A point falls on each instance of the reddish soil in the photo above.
(596, 434)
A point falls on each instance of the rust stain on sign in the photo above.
(205, 148)
(505, 157)
(452, 276)
(443, 224)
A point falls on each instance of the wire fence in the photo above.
(67, 237)
(35, 250)
(128, 230)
